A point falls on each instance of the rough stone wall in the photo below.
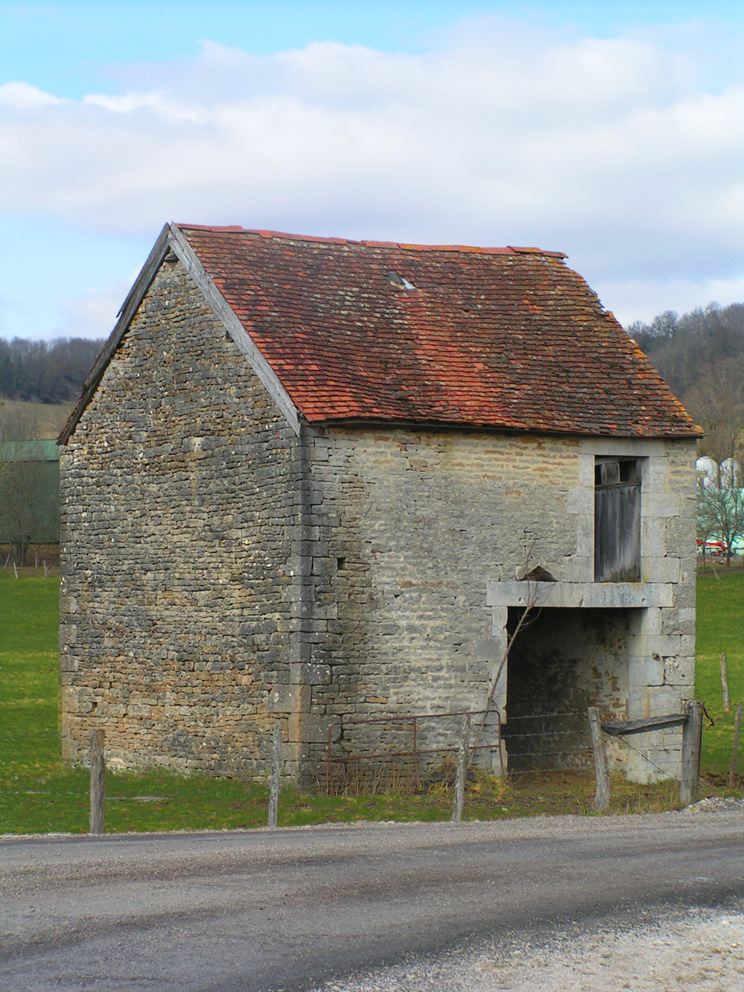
(409, 527)
(179, 507)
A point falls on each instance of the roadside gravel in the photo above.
(700, 949)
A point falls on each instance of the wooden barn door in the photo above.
(617, 520)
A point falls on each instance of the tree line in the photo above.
(701, 356)
(45, 371)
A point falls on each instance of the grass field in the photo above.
(720, 627)
(44, 420)
(39, 794)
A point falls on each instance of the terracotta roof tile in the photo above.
(506, 338)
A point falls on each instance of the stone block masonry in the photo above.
(179, 508)
(410, 525)
(411, 529)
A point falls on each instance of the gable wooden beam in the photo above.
(222, 309)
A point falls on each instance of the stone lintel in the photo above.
(602, 595)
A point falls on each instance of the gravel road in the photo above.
(701, 950)
(488, 906)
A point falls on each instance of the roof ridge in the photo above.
(404, 246)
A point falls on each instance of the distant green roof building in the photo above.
(29, 451)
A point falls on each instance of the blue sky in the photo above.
(611, 131)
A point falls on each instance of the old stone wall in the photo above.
(179, 508)
(410, 527)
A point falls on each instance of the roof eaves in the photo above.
(683, 433)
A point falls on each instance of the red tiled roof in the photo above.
(489, 337)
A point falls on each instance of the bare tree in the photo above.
(45, 371)
(720, 506)
(528, 615)
(18, 422)
(701, 355)
(718, 404)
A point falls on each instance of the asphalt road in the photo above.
(292, 909)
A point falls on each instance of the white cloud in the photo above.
(21, 96)
(93, 315)
(612, 150)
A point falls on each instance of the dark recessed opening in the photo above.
(400, 281)
(617, 519)
(340, 563)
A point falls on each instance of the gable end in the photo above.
(170, 238)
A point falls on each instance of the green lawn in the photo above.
(39, 794)
(720, 627)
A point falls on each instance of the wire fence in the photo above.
(34, 561)
(407, 752)
(411, 752)
(446, 753)
(554, 741)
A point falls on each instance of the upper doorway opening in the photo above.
(617, 519)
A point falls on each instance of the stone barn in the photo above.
(322, 480)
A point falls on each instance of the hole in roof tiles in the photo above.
(400, 281)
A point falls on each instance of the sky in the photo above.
(610, 131)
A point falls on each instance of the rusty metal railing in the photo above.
(415, 752)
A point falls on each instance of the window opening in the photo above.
(617, 520)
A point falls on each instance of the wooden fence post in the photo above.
(601, 770)
(724, 682)
(329, 761)
(414, 752)
(735, 746)
(462, 764)
(97, 782)
(276, 755)
(692, 732)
